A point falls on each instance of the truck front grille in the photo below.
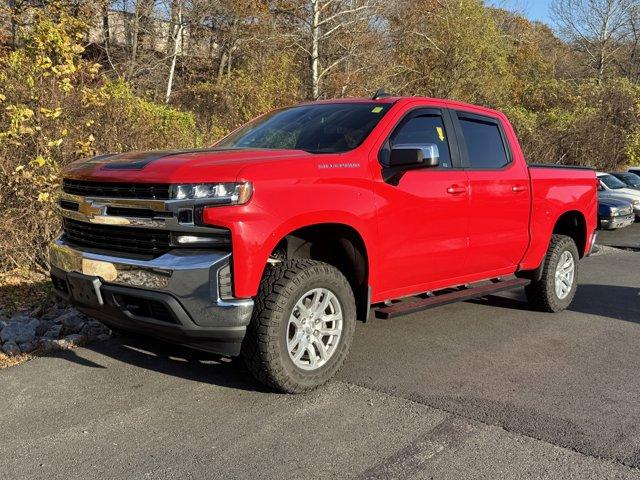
(120, 239)
(153, 191)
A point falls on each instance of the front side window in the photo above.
(485, 146)
(318, 128)
(612, 182)
(423, 130)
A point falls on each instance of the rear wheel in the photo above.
(302, 326)
(554, 292)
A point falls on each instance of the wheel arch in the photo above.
(573, 223)
(338, 244)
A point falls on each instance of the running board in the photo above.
(413, 304)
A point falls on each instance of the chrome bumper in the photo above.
(611, 223)
(185, 281)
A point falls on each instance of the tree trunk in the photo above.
(14, 27)
(177, 41)
(105, 25)
(315, 40)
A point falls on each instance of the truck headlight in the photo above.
(219, 193)
(614, 211)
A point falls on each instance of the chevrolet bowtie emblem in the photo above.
(91, 208)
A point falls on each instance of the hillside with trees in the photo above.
(78, 78)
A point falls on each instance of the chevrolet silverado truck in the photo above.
(273, 242)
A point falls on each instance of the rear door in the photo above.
(499, 195)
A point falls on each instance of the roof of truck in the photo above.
(393, 99)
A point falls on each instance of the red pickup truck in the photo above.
(272, 243)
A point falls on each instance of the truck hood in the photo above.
(175, 166)
(613, 201)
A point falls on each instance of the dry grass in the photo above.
(6, 361)
(25, 291)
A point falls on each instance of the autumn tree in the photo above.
(449, 48)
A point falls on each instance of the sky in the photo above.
(532, 9)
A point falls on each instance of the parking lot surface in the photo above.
(480, 389)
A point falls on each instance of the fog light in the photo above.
(185, 240)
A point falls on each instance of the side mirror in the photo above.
(411, 155)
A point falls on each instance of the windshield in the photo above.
(612, 182)
(318, 128)
(630, 179)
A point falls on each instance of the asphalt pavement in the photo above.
(479, 389)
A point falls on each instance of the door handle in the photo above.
(518, 188)
(456, 189)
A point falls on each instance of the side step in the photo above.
(416, 304)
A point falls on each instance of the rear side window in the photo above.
(423, 130)
(484, 143)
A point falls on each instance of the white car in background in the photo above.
(610, 186)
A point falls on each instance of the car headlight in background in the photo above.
(614, 211)
(227, 193)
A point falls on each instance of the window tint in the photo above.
(422, 130)
(484, 144)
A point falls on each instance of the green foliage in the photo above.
(135, 123)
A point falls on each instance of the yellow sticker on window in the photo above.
(440, 133)
(376, 110)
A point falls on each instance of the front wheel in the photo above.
(556, 288)
(302, 326)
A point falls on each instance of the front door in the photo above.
(422, 213)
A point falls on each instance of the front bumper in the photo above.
(174, 297)
(611, 223)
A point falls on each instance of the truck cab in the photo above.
(271, 243)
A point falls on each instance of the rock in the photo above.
(11, 348)
(53, 332)
(54, 314)
(37, 312)
(93, 329)
(74, 340)
(27, 347)
(44, 326)
(46, 345)
(72, 322)
(20, 318)
(3, 324)
(20, 332)
(103, 337)
(66, 343)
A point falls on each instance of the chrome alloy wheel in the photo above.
(314, 329)
(565, 274)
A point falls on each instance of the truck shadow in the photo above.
(612, 301)
(170, 359)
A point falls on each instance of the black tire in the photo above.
(541, 294)
(264, 348)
